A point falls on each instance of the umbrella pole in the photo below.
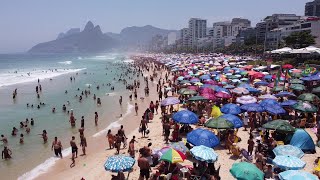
(128, 175)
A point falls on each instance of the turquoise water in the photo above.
(87, 70)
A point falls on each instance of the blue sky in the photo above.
(28, 22)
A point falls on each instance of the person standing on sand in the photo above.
(122, 136)
(74, 150)
(118, 140)
(166, 128)
(82, 122)
(144, 168)
(96, 116)
(143, 126)
(57, 147)
(6, 153)
(136, 108)
(83, 144)
(120, 100)
(110, 139)
(250, 145)
(131, 147)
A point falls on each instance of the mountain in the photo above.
(90, 40)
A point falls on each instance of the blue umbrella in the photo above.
(269, 102)
(252, 107)
(297, 175)
(268, 77)
(285, 94)
(180, 78)
(204, 153)
(261, 83)
(205, 76)
(185, 117)
(275, 109)
(202, 136)
(229, 86)
(119, 163)
(289, 162)
(179, 146)
(288, 103)
(315, 77)
(231, 109)
(253, 90)
(288, 150)
(194, 80)
(235, 120)
(170, 101)
(245, 85)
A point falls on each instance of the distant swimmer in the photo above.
(98, 101)
(32, 122)
(27, 129)
(14, 131)
(6, 153)
(4, 139)
(96, 117)
(64, 108)
(66, 92)
(21, 125)
(44, 136)
(21, 139)
(53, 110)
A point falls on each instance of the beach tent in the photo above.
(282, 50)
(303, 140)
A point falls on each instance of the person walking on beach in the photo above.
(111, 139)
(83, 144)
(57, 147)
(131, 147)
(120, 100)
(118, 141)
(74, 150)
(122, 136)
(250, 145)
(136, 108)
(143, 126)
(96, 116)
(144, 166)
(6, 153)
(166, 129)
(156, 107)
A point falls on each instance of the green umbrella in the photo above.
(246, 171)
(182, 90)
(316, 90)
(280, 125)
(197, 98)
(308, 97)
(297, 87)
(189, 92)
(232, 77)
(296, 81)
(304, 106)
(219, 123)
(243, 72)
(278, 88)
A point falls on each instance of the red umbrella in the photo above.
(223, 94)
(287, 66)
(258, 75)
(248, 67)
(209, 96)
(212, 82)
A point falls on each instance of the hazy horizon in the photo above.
(27, 23)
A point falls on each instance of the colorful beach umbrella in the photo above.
(308, 97)
(170, 101)
(274, 110)
(283, 150)
(231, 109)
(278, 88)
(198, 98)
(209, 96)
(285, 94)
(279, 125)
(267, 96)
(246, 99)
(304, 106)
(219, 123)
(204, 154)
(204, 137)
(246, 171)
(296, 81)
(223, 94)
(173, 156)
(269, 102)
(185, 117)
(180, 146)
(289, 162)
(240, 90)
(235, 120)
(297, 87)
(297, 175)
(118, 163)
(252, 107)
(288, 103)
(261, 83)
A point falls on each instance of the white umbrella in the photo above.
(246, 99)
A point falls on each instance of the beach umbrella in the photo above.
(246, 171)
(198, 84)
(223, 94)
(180, 78)
(235, 120)
(209, 96)
(244, 85)
(246, 99)
(269, 102)
(180, 146)
(189, 92)
(205, 76)
(204, 154)
(235, 81)
(240, 90)
(279, 125)
(210, 81)
(288, 103)
(184, 82)
(283, 150)
(267, 96)
(287, 66)
(274, 110)
(258, 75)
(229, 86)
(253, 90)
(195, 88)
(185, 117)
(118, 163)
(194, 80)
(173, 156)
(285, 94)
(261, 83)
(198, 98)
(316, 90)
(219, 123)
(315, 77)
(304, 106)
(296, 81)
(170, 101)
(278, 88)
(289, 162)
(204, 137)
(308, 97)
(297, 175)
(206, 91)
(252, 107)
(268, 77)
(231, 109)
(297, 87)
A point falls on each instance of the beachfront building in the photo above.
(246, 35)
(184, 37)
(312, 8)
(276, 36)
(197, 29)
(172, 37)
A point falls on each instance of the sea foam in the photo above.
(65, 62)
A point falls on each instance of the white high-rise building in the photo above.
(197, 29)
(172, 37)
(184, 37)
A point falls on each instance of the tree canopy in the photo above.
(300, 39)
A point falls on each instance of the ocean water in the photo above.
(22, 72)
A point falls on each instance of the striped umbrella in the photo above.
(173, 156)
(289, 162)
(204, 153)
(119, 163)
